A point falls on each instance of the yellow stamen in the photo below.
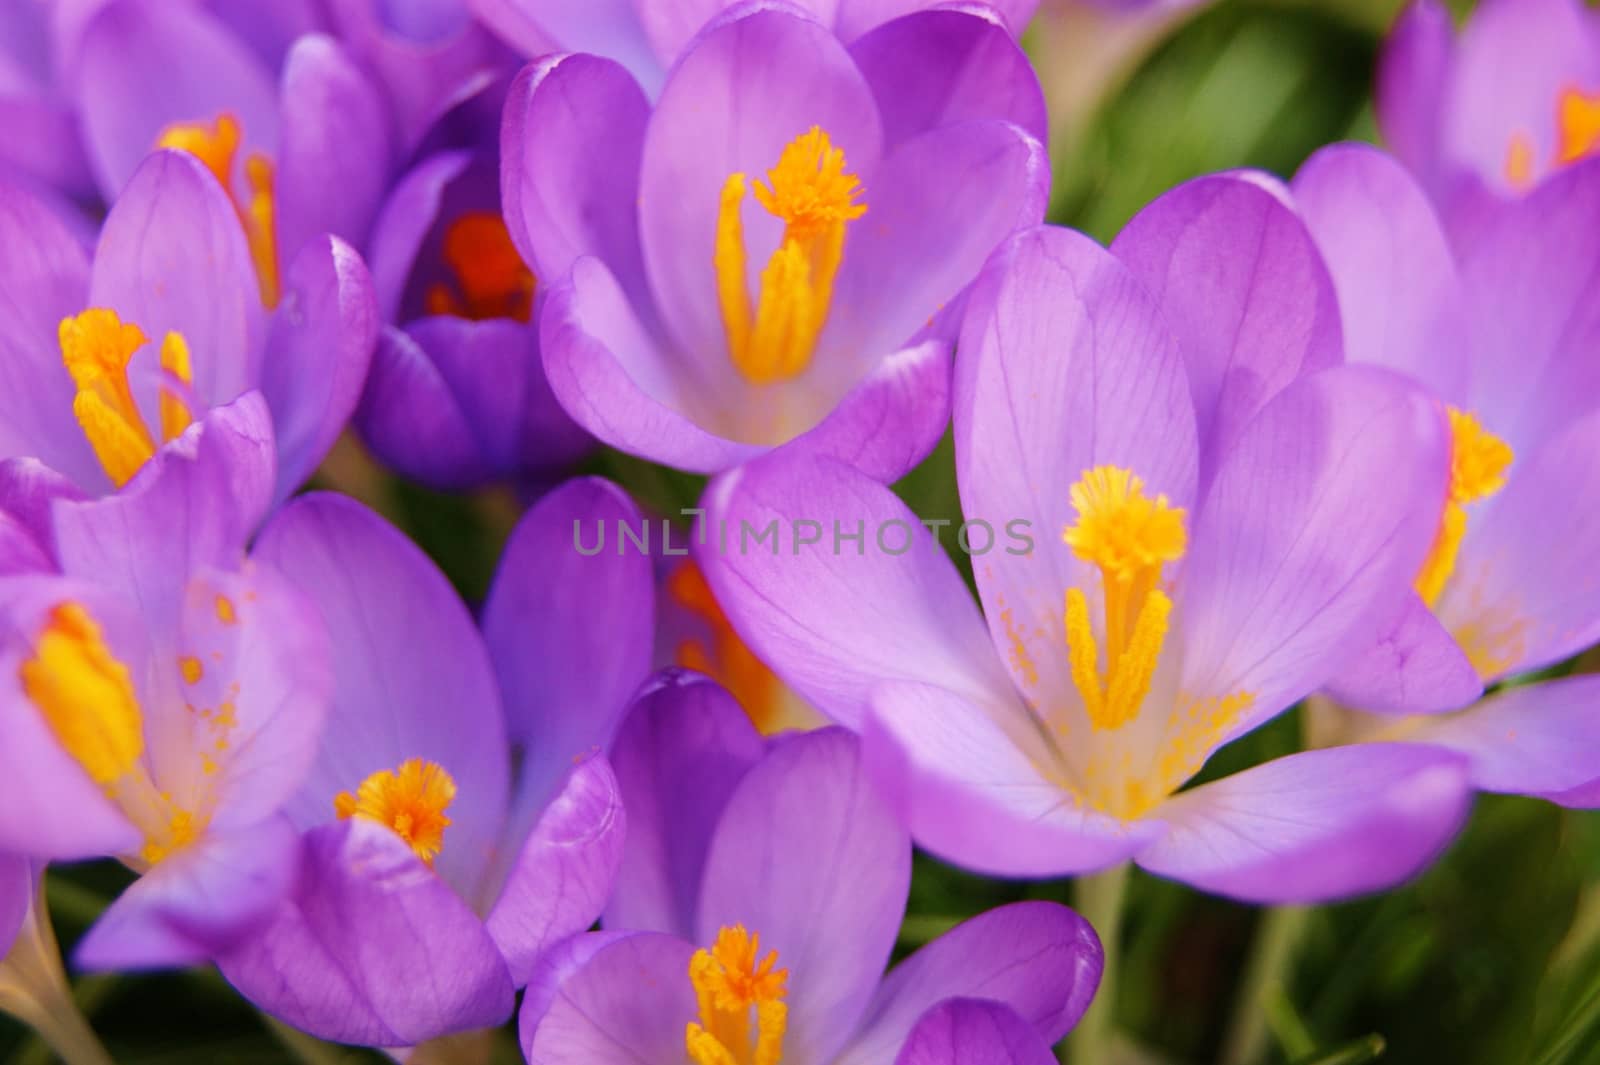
(1478, 464)
(85, 694)
(411, 801)
(96, 347)
(491, 277)
(816, 198)
(175, 413)
(216, 146)
(730, 980)
(1129, 536)
(727, 659)
(1577, 125)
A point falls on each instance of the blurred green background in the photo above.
(1491, 958)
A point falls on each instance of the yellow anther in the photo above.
(175, 413)
(1577, 125)
(214, 145)
(491, 278)
(96, 347)
(816, 198)
(410, 801)
(731, 981)
(1478, 464)
(85, 694)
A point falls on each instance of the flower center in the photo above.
(815, 197)
(491, 280)
(1478, 464)
(742, 1012)
(96, 347)
(1129, 536)
(724, 657)
(411, 801)
(215, 146)
(1577, 137)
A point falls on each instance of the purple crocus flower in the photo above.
(1168, 563)
(104, 359)
(164, 696)
(1504, 335)
(1515, 97)
(700, 313)
(437, 867)
(647, 36)
(763, 886)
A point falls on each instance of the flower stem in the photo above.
(34, 989)
(1099, 900)
(1277, 942)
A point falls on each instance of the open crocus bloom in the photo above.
(1513, 99)
(1505, 337)
(755, 259)
(1165, 603)
(763, 886)
(104, 360)
(164, 697)
(436, 867)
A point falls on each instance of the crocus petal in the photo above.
(1317, 825)
(856, 17)
(1536, 739)
(808, 857)
(685, 746)
(611, 376)
(334, 162)
(1416, 666)
(751, 83)
(968, 779)
(144, 65)
(28, 491)
(372, 948)
(407, 217)
(1038, 958)
(270, 29)
(44, 143)
(47, 279)
(891, 420)
(1530, 277)
(837, 586)
(626, 999)
(564, 872)
(1064, 365)
(939, 67)
(611, 29)
(20, 550)
(318, 352)
(1310, 536)
(1399, 291)
(406, 648)
(173, 258)
(192, 506)
(1413, 70)
(967, 1031)
(198, 902)
(573, 133)
(1236, 274)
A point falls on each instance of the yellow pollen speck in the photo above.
(191, 668)
(490, 276)
(727, 660)
(410, 801)
(225, 611)
(1478, 464)
(731, 981)
(85, 694)
(1519, 162)
(816, 198)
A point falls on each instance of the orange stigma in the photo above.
(725, 658)
(731, 982)
(410, 801)
(1478, 464)
(490, 277)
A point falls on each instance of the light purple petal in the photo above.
(411, 677)
(333, 167)
(808, 857)
(967, 1031)
(541, 27)
(270, 29)
(173, 258)
(1415, 666)
(623, 1000)
(858, 16)
(831, 612)
(20, 550)
(198, 902)
(1400, 295)
(1236, 274)
(1413, 70)
(403, 225)
(318, 351)
(1538, 739)
(938, 67)
(564, 873)
(1039, 959)
(144, 65)
(685, 746)
(1315, 826)
(28, 491)
(1064, 364)
(971, 781)
(373, 948)
(1310, 537)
